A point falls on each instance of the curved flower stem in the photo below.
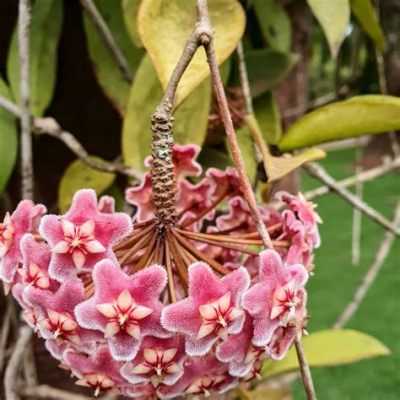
(168, 264)
(208, 43)
(304, 369)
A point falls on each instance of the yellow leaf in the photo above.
(80, 176)
(165, 25)
(334, 17)
(328, 348)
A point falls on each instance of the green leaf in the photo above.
(44, 36)
(108, 74)
(277, 167)
(130, 9)
(334, 18)
(79, 175)
(365, 13)
(210, 157)
(360, 115)
(328, 348)
(266, 68)
(164, 27)
(8, 139)
(275, 24)
(268, 117)
(190, 118)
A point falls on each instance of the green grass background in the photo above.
(336, 279)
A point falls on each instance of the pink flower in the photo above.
(284, 336)
(125, 308)
(98, 371)
(239, 351)
(159, 361)
(83, 236)
(272, 301)
(211, 311)
(202, 376)
(35, 263)
(141, 197)
(107, 204)
(305, 212)
(56, 310)
(25, 219)
(183, 157)
(226, 182)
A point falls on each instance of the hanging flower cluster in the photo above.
(146, 309)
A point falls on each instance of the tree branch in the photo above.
(105, 33)
(48, 392)
(49, 126)
(318, 172)
(15, 364)
(369, 278)
(24, 20)
(363, 176)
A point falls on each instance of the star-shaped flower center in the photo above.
(217, 316)
(284, 302)
(96, 381)
(6, 235)
(34, 276)
(254, 353)
(205, 385)
(62, 325)
(79, 240)
(157, 363)
(255, 371)
(123, 314)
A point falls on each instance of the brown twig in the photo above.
(48, 392)
(364, 176)
(318, 172)
(369, 278)
(208, 43)
(102, 28)
(304, 369)
(15, 364)
(49, 126)
(52, 128)
(24, 21)
(5, 330)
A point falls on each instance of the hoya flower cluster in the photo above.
(148, 310)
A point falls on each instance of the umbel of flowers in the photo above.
(149, 309)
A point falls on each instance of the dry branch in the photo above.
(24, 20)
(109, 41)
(318, 172)
(11, 376)
(369, 278)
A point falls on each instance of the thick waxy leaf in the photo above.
(108, 74)
(327, 348)
(266, 68)
(334, 17)
(210, 157)
(274, 23)
(190, 118)
(365, 13)
(360, 115)
(268, 117)
(44, 36)
(130, 9)
(8, 139)
(79, 175)
(164, 27)
(277, 167)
